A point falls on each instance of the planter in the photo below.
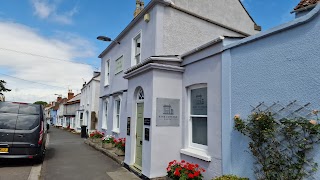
(96, 140)
(107, 145)
(119, 152)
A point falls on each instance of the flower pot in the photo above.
(107, 145)
(96, 140)
(119, 152)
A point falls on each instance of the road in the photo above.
(67, 158)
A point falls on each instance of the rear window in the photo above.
(27, 122)
(29, 109)
(8, 120)
(9, 107)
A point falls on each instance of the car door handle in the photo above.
(20, 135)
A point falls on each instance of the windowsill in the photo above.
(106, 85)
(104, 128)
(116, 131)
(197, 153)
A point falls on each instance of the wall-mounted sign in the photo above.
(119, 62)
(168, 112)
(128, 126)
(147, 121)
(146, 134)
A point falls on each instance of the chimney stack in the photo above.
(139, 7)
(70, 94)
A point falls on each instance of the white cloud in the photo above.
(45, 9)
(64, 46)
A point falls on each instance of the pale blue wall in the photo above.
(284, 66)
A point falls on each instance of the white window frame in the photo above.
(116, 117)
(105, 114)
(191, 144)
(134, 53)
(193, 149)
(107, 73)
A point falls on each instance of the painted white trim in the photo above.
(116, 129)
(133, 54)
(105, 114)
(190, 144)
(107, 70)
(197, 153)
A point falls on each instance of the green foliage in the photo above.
(281, 148)
(2, 87)
(41, 103)
(230, 177)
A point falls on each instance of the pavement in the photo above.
(68, 157)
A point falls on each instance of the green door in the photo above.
(139, 134)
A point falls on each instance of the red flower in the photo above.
(183, 161)
(176, 172)
(190, 175)
(197, 173)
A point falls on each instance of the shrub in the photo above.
(108, 139)
(120, 143)
(281, 148)
(184, 171)
(96, 134)
(230, 177)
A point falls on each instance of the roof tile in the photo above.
(305, 3)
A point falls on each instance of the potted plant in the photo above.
(96, 136)
(107, 142)
(120, 145)
(184, 171)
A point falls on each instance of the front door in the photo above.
(139, 134)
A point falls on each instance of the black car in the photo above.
(22, 131)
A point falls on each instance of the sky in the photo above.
(50, 46)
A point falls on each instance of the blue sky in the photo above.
(67, 30)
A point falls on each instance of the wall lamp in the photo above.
(105, 38)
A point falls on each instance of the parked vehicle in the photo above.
(22, 131)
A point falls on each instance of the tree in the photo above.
(2, 87)
(41, 103)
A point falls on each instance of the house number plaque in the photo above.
(146, 134)
(147, 121)
(128, 126)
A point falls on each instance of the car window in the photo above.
(8, 121)
(27, 122)
(9, 108)
(29, 109)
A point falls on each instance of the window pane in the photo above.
(118, 107)
(118, 121)
(199, 130)
(81, 115)
(9, 107)
(8, 120)
(29, 109)
(138, 59)
(199, 101)
(27, 122)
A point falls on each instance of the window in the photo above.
(81, 118)
(107, 73)
(198, 117)
(118, 65)
(105, 115)
(117, 110)
(137, 49)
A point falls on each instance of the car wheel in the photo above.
(40, 158)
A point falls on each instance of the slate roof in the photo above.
(305, 3)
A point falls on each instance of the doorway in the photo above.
(139, 130)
